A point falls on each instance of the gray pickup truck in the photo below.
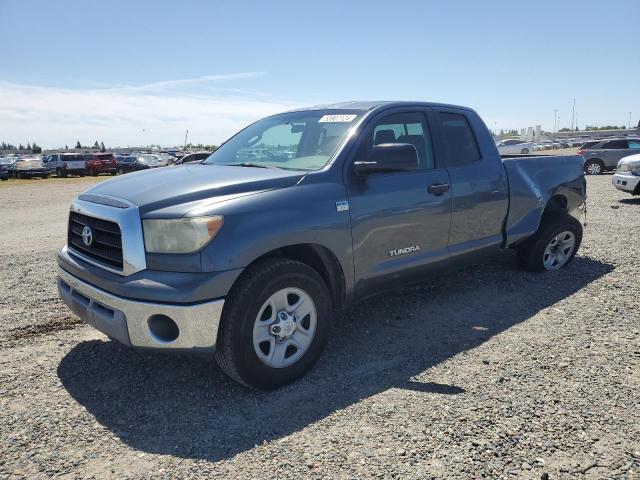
(248, 254)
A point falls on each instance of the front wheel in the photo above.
(524, 151)
(275, 324)
(553, 246)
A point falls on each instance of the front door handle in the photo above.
(438, 188)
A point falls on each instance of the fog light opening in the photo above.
(163, 329)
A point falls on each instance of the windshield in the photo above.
(292, 141)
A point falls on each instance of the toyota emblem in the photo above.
(87, 236)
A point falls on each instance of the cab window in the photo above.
(460, 138)
(408, 128)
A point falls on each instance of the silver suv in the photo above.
(605, 155)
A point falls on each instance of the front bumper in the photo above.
(135, 323)
(625, 182)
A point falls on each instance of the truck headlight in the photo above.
(182, 235)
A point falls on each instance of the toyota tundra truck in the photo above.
(247, 255)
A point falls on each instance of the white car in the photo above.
(514, 145)
(627, 176)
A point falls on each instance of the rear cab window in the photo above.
(462, 143)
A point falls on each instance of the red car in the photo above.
(101, 163)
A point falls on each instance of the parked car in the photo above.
(604, 156)
(250, 259)
(136, 163)
(97, 163)
(5, 164)
(627, 176)
(192, 158)
(164, 159)
(514, 146)
(29, 167)
(64, 164)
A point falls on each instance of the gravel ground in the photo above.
(485, 373)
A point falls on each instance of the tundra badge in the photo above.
(402, 251)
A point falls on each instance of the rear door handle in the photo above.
(438, 188)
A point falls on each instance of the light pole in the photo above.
(629, 120)
(555, 121)
(184, 149)
(573, 114)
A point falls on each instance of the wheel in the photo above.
(82, 174)
(593, 167)
(93, 173)
(44, 177)
(524, 151)
(274, 325)
(121, 171)
(554, 244)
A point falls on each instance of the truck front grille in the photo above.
(105, 245)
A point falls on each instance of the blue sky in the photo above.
(130, 72)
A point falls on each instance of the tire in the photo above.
(61, 172)
(533, 253)
(593, 167)
(93, 173)
(44, 177)
(524, 151)
(121, 171)
(244, 311)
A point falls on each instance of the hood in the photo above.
(631, 159)
(159, 188)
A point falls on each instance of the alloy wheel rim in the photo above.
(593, 168)
(559, 250)
(284, 327)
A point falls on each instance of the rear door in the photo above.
(480, 192)
(400, 221)
(614, 151)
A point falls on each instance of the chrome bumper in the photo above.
(131, 322)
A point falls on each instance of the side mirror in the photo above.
(389, 157)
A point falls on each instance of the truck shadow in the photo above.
(185, 406)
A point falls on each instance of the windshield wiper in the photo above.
(245, 164)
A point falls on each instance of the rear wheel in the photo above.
(524, 151)
(275, 324)
(553, 246)
(120, 171)
(593, 167)
(93, 173)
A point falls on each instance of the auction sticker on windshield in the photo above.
(336, 118)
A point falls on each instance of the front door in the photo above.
(400, 221)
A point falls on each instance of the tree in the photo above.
(66, 147)
(20, 147)
(35, 148)
(78, 144)
(102, 149)
(96, 145)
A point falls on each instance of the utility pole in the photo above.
(184, 149)
(555, 121)
(629, 120)
(573, 114)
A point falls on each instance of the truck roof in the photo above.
(370, 105)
